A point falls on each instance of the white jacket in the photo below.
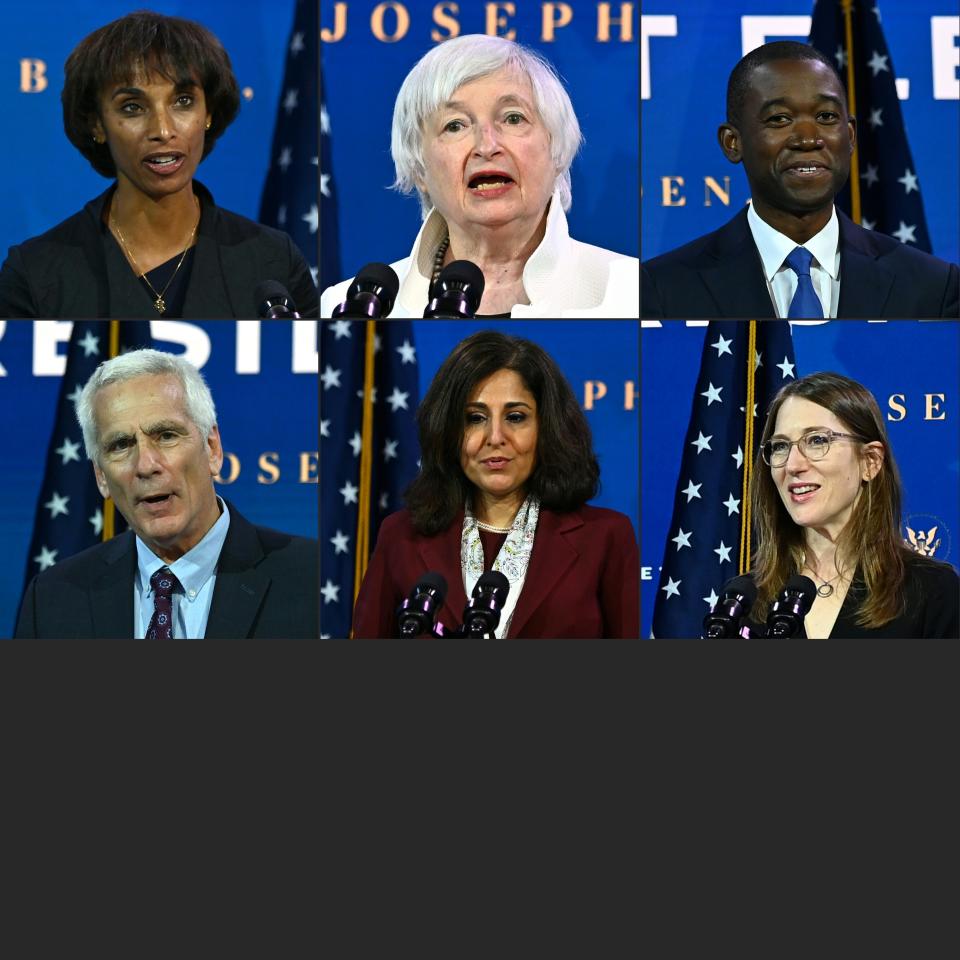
(562, 278)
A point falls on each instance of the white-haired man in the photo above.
(190, 566)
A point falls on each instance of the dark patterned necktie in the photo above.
(161, 623)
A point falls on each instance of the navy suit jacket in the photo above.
(583, 581)
(721, 275)
(268, 586)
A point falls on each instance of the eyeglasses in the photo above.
(814, 446)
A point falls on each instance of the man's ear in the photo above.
(214, 451)
(101, 482)
(729, 138)
(852, 125)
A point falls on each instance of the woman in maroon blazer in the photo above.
(507, 466)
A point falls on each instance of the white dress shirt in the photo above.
(774, 248)
(562, 278)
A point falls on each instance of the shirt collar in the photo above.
(195, 567)
(774, 247)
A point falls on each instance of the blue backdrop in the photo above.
(363, 75)
(899, 361)
(687, 75)
(47, 178)
(267, 416)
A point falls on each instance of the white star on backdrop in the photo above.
(868, 224)
(312, 219)
(723, 552)
(711, 601)
(390, 450)
(330, 377)
(712, 393)
(909, 181)
(341, 329)
(340, 542)
(398, 400)
(408, 353)
(871, 175)
(356, 443)
(324, 181)
(324, 120)
(285, 159)
(290, 101)
(841, 57)
(75, 396)
(90, 344)
(331, 592)
(384, 500)
(733, 506)
(349, 493)
(324, 428)
(57, 505)
(68, 451)
(693, 490)
(47, 558)
(875, 119)
(672, 588)
(682, 539)
(786, 368)
(905, 233)
(296, 43)
(738, 456)
(877, 63)
(702, 443)
(722, 346)
(97, 521)
(373, 394)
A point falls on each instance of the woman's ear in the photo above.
(873, 457)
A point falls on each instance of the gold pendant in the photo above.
(160, 305)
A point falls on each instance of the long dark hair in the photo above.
(566, 474)
(871, 538)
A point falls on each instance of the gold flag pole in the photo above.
(108, 509)
(852, 104)
(366, 462)
(745, 518)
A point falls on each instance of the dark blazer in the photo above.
(268, 587)
(583, 581)
(76, 270)
(721, 275)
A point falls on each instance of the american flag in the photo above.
(289, 200)
(330, 224)
(706, 545)
(395, 450)
(889, 190)
(69, 516)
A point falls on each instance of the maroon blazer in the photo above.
(583, 580)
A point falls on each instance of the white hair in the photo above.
(448, 67)
(142, 363)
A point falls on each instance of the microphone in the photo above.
(274, 301)
(457, 292)
(417, 613)
(723, 621)
(786, 614)
(372, 293)
(482, 612)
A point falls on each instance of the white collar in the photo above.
(774, 247)
(542, 264)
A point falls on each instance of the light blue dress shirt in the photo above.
(197, 572)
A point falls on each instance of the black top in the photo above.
(77, 270)
(932, 608)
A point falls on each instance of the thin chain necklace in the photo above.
(826, 586)
(159, 302)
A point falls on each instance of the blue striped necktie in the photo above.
(805, 302)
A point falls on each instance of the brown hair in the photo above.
(871, 539)
(182, 51)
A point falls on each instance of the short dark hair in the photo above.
(739, 81)
(566, 473)
(180, 50)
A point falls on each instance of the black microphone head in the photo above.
(460, 280)
(382, 277)
(495, 585)
(434, 582)
(743, 587)
(273, 300)
(804, 587)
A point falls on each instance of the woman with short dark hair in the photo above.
(145, 99)
(507, 467)
(826, 500)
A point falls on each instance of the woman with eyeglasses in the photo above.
(826, 501)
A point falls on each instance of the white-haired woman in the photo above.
(485, 133)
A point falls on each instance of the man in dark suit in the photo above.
(190, 566)
(791, 254)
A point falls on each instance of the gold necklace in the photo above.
(159, 302)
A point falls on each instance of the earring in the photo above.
(98, 139)
(209, 124)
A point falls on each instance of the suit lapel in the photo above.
(735, 280)
(864, 284)
(240, 588)
(111, 591)
(552, 557)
